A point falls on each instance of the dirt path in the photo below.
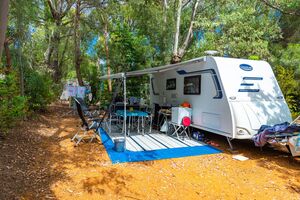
(38, 161)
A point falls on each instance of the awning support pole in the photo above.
(125, 114)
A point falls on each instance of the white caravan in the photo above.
(231, 97)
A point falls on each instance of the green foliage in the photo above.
(39, 90)
(290, 57)
(12, 106)
(289, 86)
(157, 24)
(139, 35)
(287, 70)
(91, 73)
(130, 49)
(239, 28)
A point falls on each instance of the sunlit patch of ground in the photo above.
(39, 161)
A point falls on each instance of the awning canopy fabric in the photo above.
(152, 70)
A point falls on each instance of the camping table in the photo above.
(120, 106)
(131, 115)
(165, 115)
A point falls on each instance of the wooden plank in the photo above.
(142, 143)
(192, 142)
(168, 141)
(150, 143)
(156, 140)
(153, 141)
(179, 141)
(132, 146)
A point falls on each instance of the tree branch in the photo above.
(177, 29)
(277, 7)
(68, 35)
(52, 9)
(165, 4)
(70, 3)
(86, 7)
(67, 22)
(186, 3)
(190, 31)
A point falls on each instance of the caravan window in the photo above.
(171, 84)
(192, 85)
(153, 88)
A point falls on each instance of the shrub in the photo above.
(289, 87)
(39, 89)
(12, 105)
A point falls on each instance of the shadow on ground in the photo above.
(277, 159)
(38, 161)
(32, 158)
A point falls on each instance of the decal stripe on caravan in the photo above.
(247, 84)
(252, 78)
(250, 84)
(248, 90)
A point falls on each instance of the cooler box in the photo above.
(179, 112)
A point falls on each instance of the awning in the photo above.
(153, 70)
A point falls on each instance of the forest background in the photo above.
(47, 42)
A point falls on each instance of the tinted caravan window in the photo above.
(171, 84)
(192, 85)
(153, 88)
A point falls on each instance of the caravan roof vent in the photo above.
(211, 52)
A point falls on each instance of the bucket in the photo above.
(119, 144)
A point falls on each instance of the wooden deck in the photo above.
(152, 141)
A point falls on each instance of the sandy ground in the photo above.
(38, 161)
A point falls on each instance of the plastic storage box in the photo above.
(179, 112)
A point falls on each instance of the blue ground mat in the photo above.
(135, 156)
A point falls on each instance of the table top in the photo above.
(134, 113)
(165, 112)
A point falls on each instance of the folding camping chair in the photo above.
(85, 126)
(110, 115)
(149, 118)
(181, 129)
(86, 110)
(113, 118)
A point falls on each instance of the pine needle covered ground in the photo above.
(38, 161)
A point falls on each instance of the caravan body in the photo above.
(230, 97)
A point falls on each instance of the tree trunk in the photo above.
(165, 13)
(48, 53)
(58, 12)
(107, 55)
(48, 39)
(21, 69)
(77, 39)
(189, 34)
(3, 25)
(62, 58)
(55, 63)
(175, 56)
(8, 56)
(22, 84)
(179, 53)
